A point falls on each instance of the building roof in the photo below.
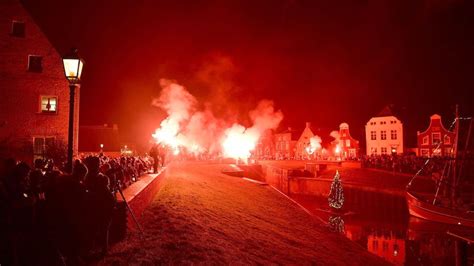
(387, 111)
(295, 134)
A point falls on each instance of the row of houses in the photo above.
(383, 136)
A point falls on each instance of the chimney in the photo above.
(308, 124)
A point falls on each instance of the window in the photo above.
(383, 150)
(348, 143)
(425, 152)
(35, 63)
(426, 140)
(49, 104)
(436, 152)
(447, 139)
(41, 145)
(373, 151)
(383, 135)
(373, 135)
(447, 151)
(436, 138)
(18, 29)
(393, 134)
(383, 122)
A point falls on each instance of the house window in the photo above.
(436, 138)
(426, 140)
(373, 135)
(447, 139)
(425, 152)
(393, 134)
(348, 143)
(48, 104)
(383, 135)
(18, 29)
(41, 145)
(436, 152)
(373, 151)
(35, 63)
(383, 150)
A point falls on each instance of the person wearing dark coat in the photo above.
(100, 202)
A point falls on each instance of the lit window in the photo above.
(383, 135)
(35, 63)
(447, 139)
(18, 29)
(383, 150)
(348, 143)
(49, 104)
(373, 135)
(436, 138)
(426, 140)
(393, 134)
(41, 145)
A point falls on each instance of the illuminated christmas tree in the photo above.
(336, 195)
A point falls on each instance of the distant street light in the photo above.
(72, 70)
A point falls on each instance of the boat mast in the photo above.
(455, 153)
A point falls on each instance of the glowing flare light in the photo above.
(239, 142)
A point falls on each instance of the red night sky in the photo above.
(321, 61)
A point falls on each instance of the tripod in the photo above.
(117, 188)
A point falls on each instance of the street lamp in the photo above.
(72, 70)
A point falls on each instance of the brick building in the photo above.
(265, 148)
(285, 144)
(348, 147)
(34, 92)
(303, 143)
(435, 135)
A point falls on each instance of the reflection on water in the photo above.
(381, 224)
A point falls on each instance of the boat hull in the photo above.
(427, 211)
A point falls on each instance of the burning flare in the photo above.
(239, 141)
(199, 131)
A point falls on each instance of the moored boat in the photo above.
(426, 210)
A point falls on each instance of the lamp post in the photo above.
(72, 70)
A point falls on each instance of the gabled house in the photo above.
(436, 140)
(346, 146)
(303, 143)
(35, 95)
(285, 144)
